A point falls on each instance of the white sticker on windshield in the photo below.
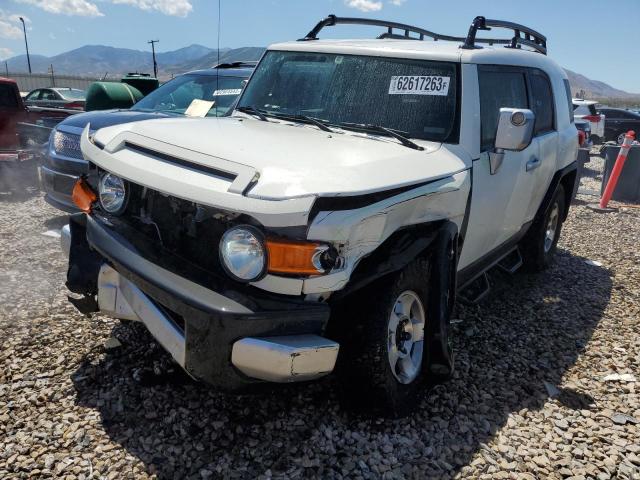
(419, 85)
(199, 108)
(228, 91)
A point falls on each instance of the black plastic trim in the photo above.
(522, 35)
(180, 162)
(353, 202)
(469, 273)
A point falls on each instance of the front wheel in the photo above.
(383, 363)
(620, 138)
(539, 245)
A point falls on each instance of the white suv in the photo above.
(586, 110)
(357, 186)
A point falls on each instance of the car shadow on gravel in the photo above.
(512, 351)
(19, 182)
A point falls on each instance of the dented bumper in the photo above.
(228, 338)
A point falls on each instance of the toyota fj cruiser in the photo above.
(356, 187)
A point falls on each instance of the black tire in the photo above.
(536, 249)
(595, 139)
(364, 369)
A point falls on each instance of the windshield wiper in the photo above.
(321, 124)
(253, 111)
(403, 139)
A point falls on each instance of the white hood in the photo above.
(295, 160)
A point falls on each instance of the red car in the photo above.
(18, 124)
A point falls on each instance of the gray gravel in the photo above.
(528, 400)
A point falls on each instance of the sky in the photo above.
(597, 38)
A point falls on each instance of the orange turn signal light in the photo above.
(293, 257)
(83, 195)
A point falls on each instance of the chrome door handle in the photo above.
(533, 164)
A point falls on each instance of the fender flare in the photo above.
(440, 242)
(568, 177)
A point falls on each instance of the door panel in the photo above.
(490, 199)
(499, 202)
(540, 178)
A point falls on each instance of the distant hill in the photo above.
(587, 88)
(96, 60)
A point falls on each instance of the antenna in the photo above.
(218, 62)
(153, 52)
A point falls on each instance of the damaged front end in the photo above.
(237, 289)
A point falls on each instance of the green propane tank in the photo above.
(107, 95)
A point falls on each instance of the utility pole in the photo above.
(24, 29)
(153, 51)
(53, 79)
(6, 67)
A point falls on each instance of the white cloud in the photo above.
(175, 8)
(10, 26)
(5, 53)
(82, 8)
(364, 5)
(397, 3)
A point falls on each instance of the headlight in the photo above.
(243, 254)
(112, 191)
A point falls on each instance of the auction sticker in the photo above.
(228, 91)
(419, 85)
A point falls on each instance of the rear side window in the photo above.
(541, 102)
(499, 88)
(572, 107)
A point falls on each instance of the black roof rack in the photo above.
(239, 64)
(531, 38)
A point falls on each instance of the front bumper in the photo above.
(58, 187)
(229, 339)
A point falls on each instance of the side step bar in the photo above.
(512, 262)
(476, 290)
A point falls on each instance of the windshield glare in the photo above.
(73, 93)
(417, 97)
(176, 95)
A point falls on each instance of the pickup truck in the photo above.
(22, 127)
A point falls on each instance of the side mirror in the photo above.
(515, 131)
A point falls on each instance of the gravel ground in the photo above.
(545, 386)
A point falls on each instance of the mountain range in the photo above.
(102, 61)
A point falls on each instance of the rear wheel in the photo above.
(539, 245)
(620, 138)
(383, 362)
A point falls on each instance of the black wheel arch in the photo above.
(438, 242)
(568, 178)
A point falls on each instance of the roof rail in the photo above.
(532, 39)
(332, 20)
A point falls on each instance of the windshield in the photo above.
(176, 95)
(73, 93)
(416, 97)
